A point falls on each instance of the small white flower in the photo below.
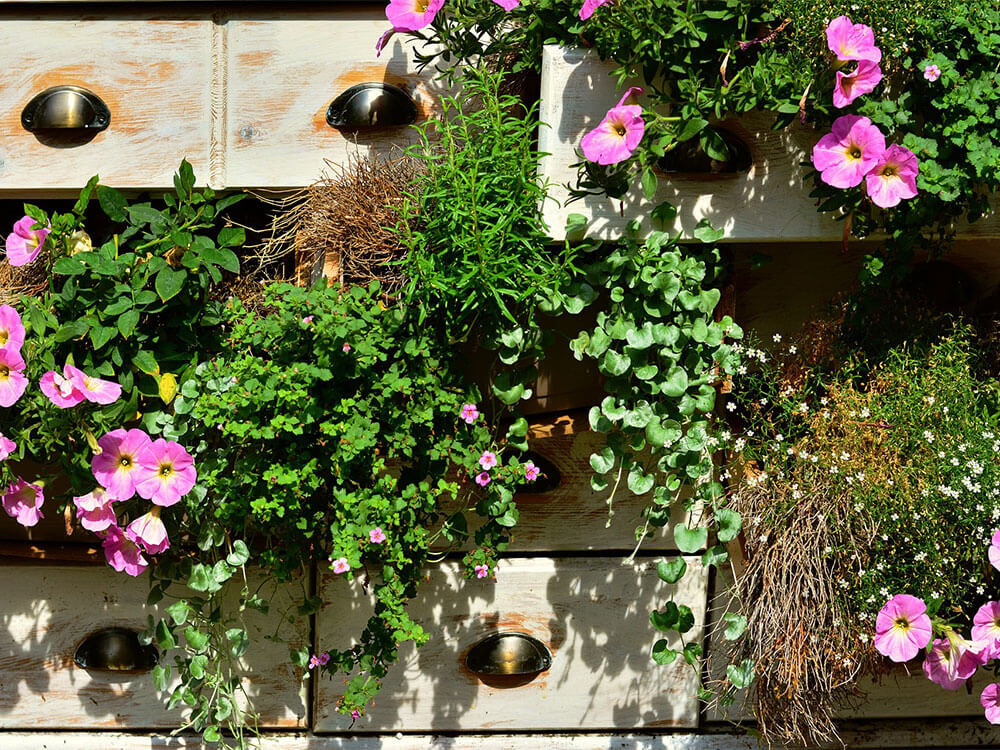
(777, 338)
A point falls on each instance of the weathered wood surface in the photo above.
(592, 614)
(768, 203)
(153, 70)
(49, 610)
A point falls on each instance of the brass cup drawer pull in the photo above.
(371, 105)
(115, 650)
(66, 108)
(508, 654)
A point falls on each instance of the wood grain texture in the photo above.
(49, 609)
(592, 614)
(152, 70)
(768, 203)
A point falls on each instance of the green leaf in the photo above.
(714, 555)
(690, 540)
(196, 640)
(667, 619)
(638, 481)
(81, 203)
(197, 666)
(169, 282)
(101, 335)
(662, 654)
(676, 382)
(127, 322)
(598, 422)
(145, 214)
(575, 224)
(685, 619)
(160, 676)
(611, 410)
(164, 636)
(76, 329)
(736, 625)
(239, 641)
(200, 578)
(703, 232)
(69, 267)
(663, 433)
(604, 461)
(648, 182)
(671, 571)
(112, 203)
(179, 611)
(692, 653)
(742, 675)
(231, 237)
(146, 363)
(614, 363)
(239, 555)
(211, 734)
(729, 523)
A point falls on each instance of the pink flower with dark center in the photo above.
(169, 473)
(94, 390)
(345, 348)
(508, 4)
(589, 6)
(149, 531)
(902, 628)
(990, 701)
(488, 460)
(951, 661)
(118, 467)
(412, 15)
(7, 447)
(23, 502)
(122, 553)
(383, 40)
(340, 565)
(11, 329)
(986, 627)
(469, 413)
(355, 714)
(531, 471)
(932, 73)
(850, 86)
(61, 390)
(483, 478)
(376, 535)
(994, 551)
(24, 243)
(324, 659)
(893, 178)
(12, 380)
(852, 41)
(618, 134)
(846, 154)
(482, 571)
(94, 510)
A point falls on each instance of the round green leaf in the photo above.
(671, 571)
(690, 540)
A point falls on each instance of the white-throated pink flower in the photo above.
(340, 565)
(893, 178)
(149, 532)
(932, 72)
(990, 701)
(94, 390)
(482, 571)
(531, 471)
(94, 510)
(488, 460)
(986, 627)
(376, 535)
(12, 380)
(846, 154)
(902, 628)
(118, 467)
(618, 134)
(24, 243)
(122, 553)
(169, 473)
(412, 15)
(850, 86)
(994, 550)
(23, 502)
(953, 660)
(11, 329)
(61, 390)
(7, 446)
(469, 413)
(589, 6)
(852, 41)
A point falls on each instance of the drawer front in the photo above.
(154, 75)
(591, 613)
(283, 73)
(50, 609)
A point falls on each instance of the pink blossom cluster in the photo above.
(853, 42)
(319, 660)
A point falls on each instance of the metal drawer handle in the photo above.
(508, 654)
(371, 105)
(66, 108)
(115, 650)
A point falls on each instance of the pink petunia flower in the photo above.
(94, 510)
(994, 551)
(902, 628)
(852, 41)
(469, 413)
(7, 447)
(846, 154)
(122, 553)
(24, 243)
(11, 328)
(118, 467)
(932, 72)
(483, 478)
(850, 86)
(376, 535)
(61, 390)
(508, 4)
(990, 701)
(340, 565)
(412, 15)
(618, 134)
(482, 571)
(12, 380)
(488, 460)
(531, 471)
(94, 390)
(986, 627)
(23, 502)
(951, 661)
(383, 40)
(893, 178)
(149, 531)
(169, 473)
(589, 6)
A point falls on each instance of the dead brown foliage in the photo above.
(29, 280)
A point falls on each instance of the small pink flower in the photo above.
(61, 390)
(24, 243)
(346, 347)
(483, 478)
(169, 473)
(324, 659)
(376, 535)
(508, 4)
(893, 178)
(618, 134)
(94, 510)
(122, 553)
(94, 390)
(23, 502)
(531, 471)
(469, 413)
(150, 532)
(6, 447)
(990, 701)
(932, 72)
(488, 460)
(850, 86)
(355, 714)
(986, 627)
(902, 628)
(313, 661)
(340, 565)
(11, 328)
(589, 6)
(951, 662)
(383, 40)
(119, 466)
(12, 380)
(994, 550)
(412, 15)
(482, 571)
(308, 319)
(846, 154)
(852, 41)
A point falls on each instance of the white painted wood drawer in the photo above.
(591, 613)
(153, 71)
(48, 610)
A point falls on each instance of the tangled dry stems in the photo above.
(29, 280)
